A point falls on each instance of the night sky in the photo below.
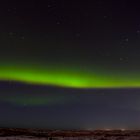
(70, 64)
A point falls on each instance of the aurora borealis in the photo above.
(70, 64)
(68, 77)
(29, 100)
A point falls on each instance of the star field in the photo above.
(70, 64)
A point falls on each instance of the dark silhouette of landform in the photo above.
(44, 134)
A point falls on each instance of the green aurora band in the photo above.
(35, 100)
(68, 77)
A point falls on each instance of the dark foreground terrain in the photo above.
(38, 134)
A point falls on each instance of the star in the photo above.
(126, 39)
(105, 17)
(11, 33)
(57, 22)
(77, 34)
(9, 10)
(138, 31)
(122, 46)
(22, 37)
(123, 59)
(49, 6)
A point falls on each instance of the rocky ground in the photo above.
(37, 134)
